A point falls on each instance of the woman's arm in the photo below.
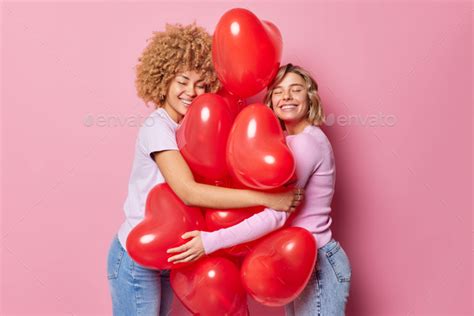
(252, 228)
(177, 174)
(249, 229)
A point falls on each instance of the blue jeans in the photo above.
(328, 288)
(136, 290)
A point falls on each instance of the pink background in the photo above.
(403, 204)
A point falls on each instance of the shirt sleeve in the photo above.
(157, 135)
(249, 229)
(268, 220)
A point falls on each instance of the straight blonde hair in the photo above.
(315, 113)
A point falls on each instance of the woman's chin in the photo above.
(183, 110)
(289, 119)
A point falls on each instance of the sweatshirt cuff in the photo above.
(209, 242)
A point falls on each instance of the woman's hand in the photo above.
(190, 251)
(286, 201)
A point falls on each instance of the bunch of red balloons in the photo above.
(227, 143)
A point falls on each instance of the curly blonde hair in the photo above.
(179, 48)
(315, 113)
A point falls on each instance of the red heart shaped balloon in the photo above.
(246, 52)
(257, 153)
(210, 287)
(202, 136)
(279, 267)
(167, 218)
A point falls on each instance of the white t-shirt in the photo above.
(156, 134)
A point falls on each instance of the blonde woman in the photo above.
(293, 96)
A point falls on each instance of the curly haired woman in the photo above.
(174, 68)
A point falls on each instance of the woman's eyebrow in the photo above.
(187, 78)
(291, 85)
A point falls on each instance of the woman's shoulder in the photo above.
(159, 115)
(156, 127)
(310, 147)
(158, 120)
(311, 143)
(312, 135)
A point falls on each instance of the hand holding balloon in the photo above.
(190, 251)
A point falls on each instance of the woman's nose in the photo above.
(286, 95)
(190, 91)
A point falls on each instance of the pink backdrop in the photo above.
(396, 83)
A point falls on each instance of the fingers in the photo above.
(299, 193)
(297, 199)
(188, 252)
(181, 256)
(187, 256)
(187, 245)
(181, 248)
(187, 259)
(193, 233)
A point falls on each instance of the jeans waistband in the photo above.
(327, 247)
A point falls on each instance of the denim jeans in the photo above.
(327, 291)
(136, 290)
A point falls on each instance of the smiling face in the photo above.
(181, 92)
(290, 99)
